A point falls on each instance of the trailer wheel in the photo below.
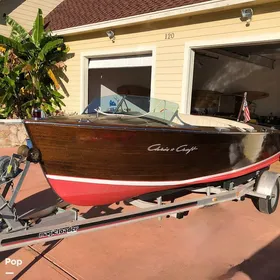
(269, 205)
(23, 150)
(4, 162)
(34, 155)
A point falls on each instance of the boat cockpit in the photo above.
(129, 107)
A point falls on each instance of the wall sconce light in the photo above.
(246, 15)
(111, 35)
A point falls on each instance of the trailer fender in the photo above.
(267, 182)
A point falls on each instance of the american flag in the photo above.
(246, 111)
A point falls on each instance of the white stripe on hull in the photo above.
(156, 183)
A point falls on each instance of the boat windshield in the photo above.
(132, 105)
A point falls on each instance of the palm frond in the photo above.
(38, 28)
(49, 47)
(11, 44)
(6, 69)
(2, 49)
(53, 78)
(18, 32)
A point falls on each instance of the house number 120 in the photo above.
(169, 36)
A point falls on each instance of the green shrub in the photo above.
(31, 70)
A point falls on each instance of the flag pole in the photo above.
(242, 105)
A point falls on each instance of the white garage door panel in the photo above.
(120, 62)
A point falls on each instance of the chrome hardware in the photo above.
(84, 121)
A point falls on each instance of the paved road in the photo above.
(227, 241)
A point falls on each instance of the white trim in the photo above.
(155, 183)
(84, 83)
(121, 62)
(187, 81)
(190, 47)
(178, 11)
(11, 121)
(86, 56)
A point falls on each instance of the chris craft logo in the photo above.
(181, 149)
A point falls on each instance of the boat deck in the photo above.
(246, 244)
(125, 122)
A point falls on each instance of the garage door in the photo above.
(121, 62)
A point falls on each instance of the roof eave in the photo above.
(179, 11)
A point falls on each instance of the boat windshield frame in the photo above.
(133, 106)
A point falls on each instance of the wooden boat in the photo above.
(133, 90)
(252, 95)
(205, 102)
(126, 146)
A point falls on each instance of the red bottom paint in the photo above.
(91, 194)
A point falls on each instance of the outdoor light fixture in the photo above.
(246, 15)
(111, 35)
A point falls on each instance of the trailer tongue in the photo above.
(61, 222)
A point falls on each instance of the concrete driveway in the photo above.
(227, 241)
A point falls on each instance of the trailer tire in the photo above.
(23, 150)
(4, 162)
(34, 155)
(269, 205)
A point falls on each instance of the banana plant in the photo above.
(32, 65)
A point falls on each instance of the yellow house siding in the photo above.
(169, 53)
(25, 13)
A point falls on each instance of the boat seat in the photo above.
(207, 121)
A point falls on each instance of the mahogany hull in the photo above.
(88, 164)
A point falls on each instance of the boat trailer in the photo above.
(261, 186)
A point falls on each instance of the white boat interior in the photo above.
(207, 121)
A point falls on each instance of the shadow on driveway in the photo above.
(43, 200)
(264, 264)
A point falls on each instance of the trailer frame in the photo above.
(16, 231)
